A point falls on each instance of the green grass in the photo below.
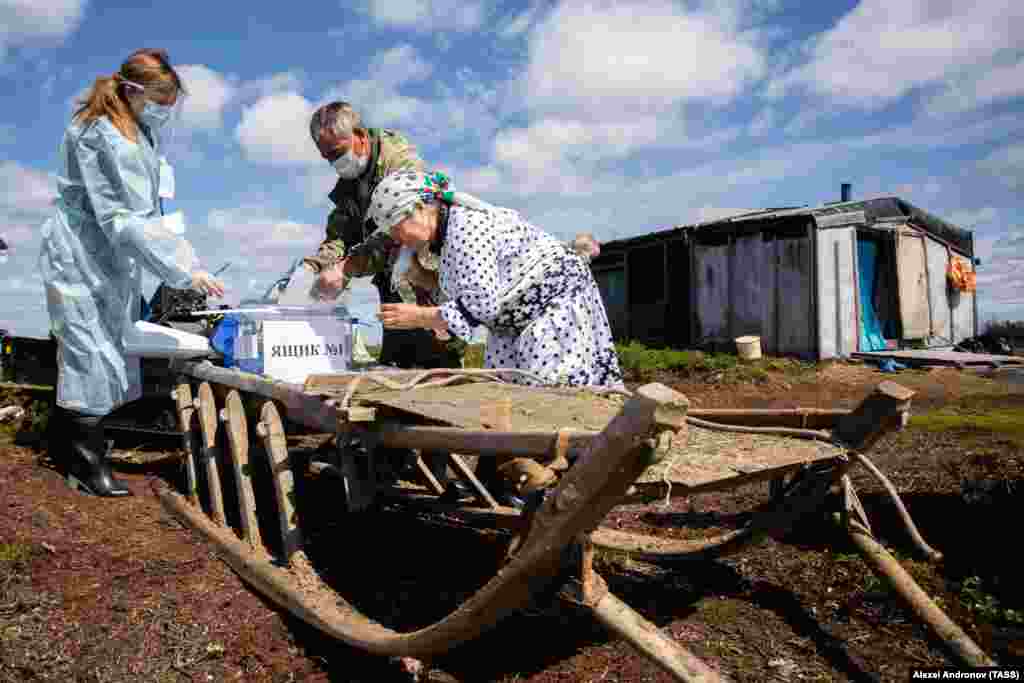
(641, 361)
(15, 553)
(474, 356)
(1005, 422)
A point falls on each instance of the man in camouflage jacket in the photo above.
(362, 157)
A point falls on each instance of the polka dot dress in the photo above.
(536, 297)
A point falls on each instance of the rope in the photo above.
(915, 535)
(816, 434)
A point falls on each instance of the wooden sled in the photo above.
(604, 442)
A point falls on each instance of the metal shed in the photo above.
(816, 282)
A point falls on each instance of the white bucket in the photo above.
(748, 348)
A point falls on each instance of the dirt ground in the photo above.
(101, 590)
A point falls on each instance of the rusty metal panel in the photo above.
(711, 276)
(752, 289)
(911, 266)
(962, 304)
(938, 292)
(796, 328)
(837, 325)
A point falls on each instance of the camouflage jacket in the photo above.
(350, 236)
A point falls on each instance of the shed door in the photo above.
(912, 269)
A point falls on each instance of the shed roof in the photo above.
(865, 211)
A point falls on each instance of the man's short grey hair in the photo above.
(338, 117)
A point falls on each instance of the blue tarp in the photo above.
(871, 338)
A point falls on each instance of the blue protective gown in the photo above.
(106, 228)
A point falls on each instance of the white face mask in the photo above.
(350, 166)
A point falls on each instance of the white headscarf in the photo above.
(397, 195)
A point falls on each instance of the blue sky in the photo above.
(618, 118)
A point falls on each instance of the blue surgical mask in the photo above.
(154, 115)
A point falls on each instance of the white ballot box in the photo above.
(295, 349)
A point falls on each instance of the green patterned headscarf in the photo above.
(398, 194)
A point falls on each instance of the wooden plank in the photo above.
(275, 445)
(532, 408)
(797, 326)
(233, 416)
(428, 476)
(186, 414)
(912, 276)
(208, 425)
(880, 412)
(462, 469)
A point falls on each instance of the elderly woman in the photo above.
(535, 295)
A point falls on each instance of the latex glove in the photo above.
(331, 281)
(207, 284)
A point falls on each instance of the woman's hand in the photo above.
(409, 317)
(331, 281)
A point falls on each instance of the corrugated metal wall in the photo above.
(838, 324)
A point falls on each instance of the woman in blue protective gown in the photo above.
(107, 227)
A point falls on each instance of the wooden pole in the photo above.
(884, 564)
(628, 624)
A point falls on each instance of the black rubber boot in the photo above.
(86, 458)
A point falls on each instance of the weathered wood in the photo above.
(182, 395)
(307, 410)
(208, 425)
(495, 415)
(428, 476)
(884, 564)
(538, 444)
(584, 496)
(588, 577)
(632, 627)
(466, 474)
(877, 414)
(501, 517)
(915, 535)
(359, 487)
(233, 416)
(806, 497)
(275, 445)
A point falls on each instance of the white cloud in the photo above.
(26, 201)
(976, 90)
(881, 50)
(283, 81)
(518, 25)
(646, 54)
(314, 185)
(275, 131)
(24, 22)
(1006, 164)
(25, 192)
(973, 219)
(1001, 273)
(460, 107)
(208, 95)
(427, 16)
(262, 247)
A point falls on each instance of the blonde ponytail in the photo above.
(105, 99)
(148, 68)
